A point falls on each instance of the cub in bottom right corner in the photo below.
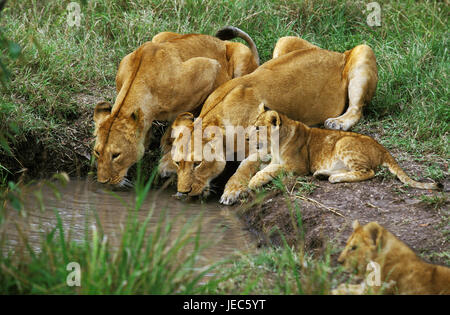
(398, 269)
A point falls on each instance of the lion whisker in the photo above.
(125, 183)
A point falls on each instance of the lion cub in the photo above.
(398, 264)
(339, 155)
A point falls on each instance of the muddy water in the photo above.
(82, 201)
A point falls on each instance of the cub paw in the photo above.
(336, 178)
(256, 182)
(231, 196)
(321, 175)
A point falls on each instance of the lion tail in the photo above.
(230, 32)
(395, 169)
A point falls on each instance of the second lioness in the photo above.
(303, 81)
(341, 156)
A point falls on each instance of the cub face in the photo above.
(362, 247)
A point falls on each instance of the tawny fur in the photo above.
(172, 74)
(305, 82)
(405, 272)
(340, 156)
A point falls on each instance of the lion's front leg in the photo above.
(237, 185)
(265, 175)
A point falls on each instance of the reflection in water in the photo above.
(81, 201)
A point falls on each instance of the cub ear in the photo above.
(136, 115)
(262, 108)
(355, 225)
(275, 119)
(375, 231)
(101, 111)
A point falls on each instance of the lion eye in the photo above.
(196, 164)
(96, 153)
(354, 247)
(115, 155)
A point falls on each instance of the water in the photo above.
(82, 200)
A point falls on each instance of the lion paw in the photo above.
(336, 178)
(166, 169)
(320, 174)
(231, 196)
(336, 124)
(165, 174)
(257, 181)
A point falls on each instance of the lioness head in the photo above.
(362, 246)
(118, 145)
(198, 158)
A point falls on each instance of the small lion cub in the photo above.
(399, 266)
(341, 156)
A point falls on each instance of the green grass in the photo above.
(435, 201)
(281, 270)
(60, 63)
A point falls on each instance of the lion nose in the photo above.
(103, 181)
(182, 195)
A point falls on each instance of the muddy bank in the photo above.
(41, 154)
(328, 211)
(38, 154)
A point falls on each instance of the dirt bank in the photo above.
(419, 218)
(41, 153)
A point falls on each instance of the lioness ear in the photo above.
(101, 111)
(355, 225)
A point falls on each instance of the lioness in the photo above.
(302, 81)
(400, 267)
(171, 74)
(340, 156)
